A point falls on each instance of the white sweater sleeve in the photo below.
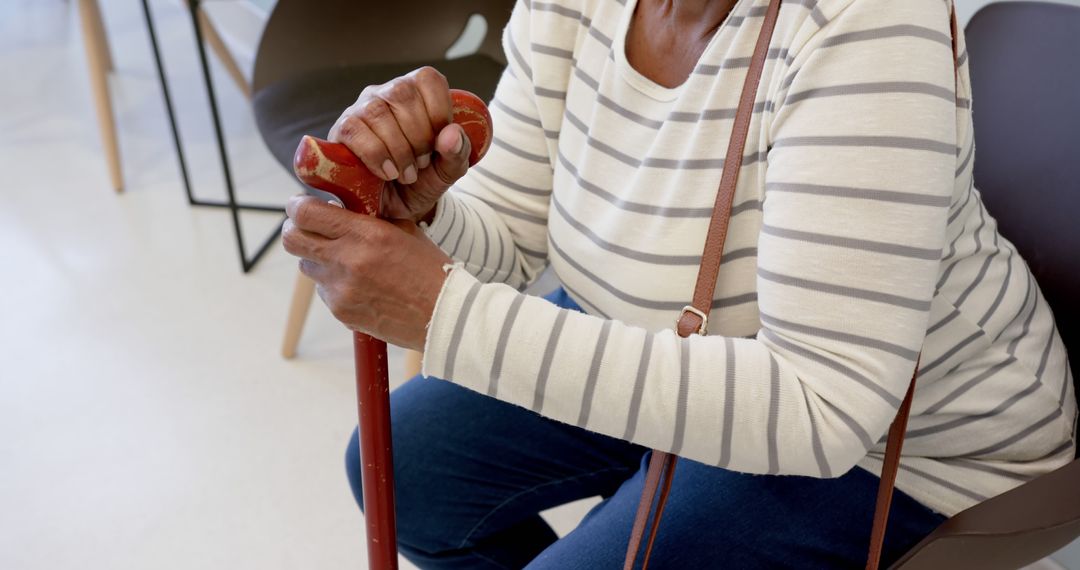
(854, 217)
(494, 220)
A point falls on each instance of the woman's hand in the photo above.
(378, 277)
(401, 131)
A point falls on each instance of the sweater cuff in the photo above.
(439, 228)
(448, 320)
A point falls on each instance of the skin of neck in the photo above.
(698, 17)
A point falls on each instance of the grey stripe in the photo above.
(1046, 352)
(1018, 436)
(982, 466)
(967, 158)
(774, 416)
(958, 422)
(817, 16)
(508, 211)
(942, 482)
(599, 36)
(500, 346)
(646, 303)
(1001, 294)
(487, 244)
(586, 78)
(651, 162)
(838, 336)
(549, 93)
(957, 211)
(459, 329)
(891, 196)
(498, 104)
(545, 362)
(963, 103)
(639, 388)
(552, 51)
(901, 30)
(844, 291)
(952, 252)
(1020, 311)
(948, 319)
(591, 307)
(461, 234)
(511, 184)
(594, 375)
(967, 385)
(815, 439)
(645, 257)
(850, 422)
(962, 59)
(628, 114)
(853, 243)
(684, 395)
(531, 252)
(729, 403)
(948, 354)
(558, 9)
(1011, 348)
(980, 275)
(833, 365)
(873, 88)
(453, 218)
(472, 237)
(1065, 445)
(648, 209)
(907, 143)
(737, 62)
(519, 152)
(517, 55)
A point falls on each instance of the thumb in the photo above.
(452, 149)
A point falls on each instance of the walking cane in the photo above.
(333, 168)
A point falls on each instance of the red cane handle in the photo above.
(332, 167)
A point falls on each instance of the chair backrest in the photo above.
(1027, 167)
(1026, 90)
(300, 33)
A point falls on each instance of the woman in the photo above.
(856, 242)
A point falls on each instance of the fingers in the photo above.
(312, 215)
(392, 126)
(304, 244)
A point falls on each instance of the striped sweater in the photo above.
(856, 240)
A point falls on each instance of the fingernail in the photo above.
(461, 142)
(410, 175)
(389, 170)
(423, 161)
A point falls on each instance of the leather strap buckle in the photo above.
(704, 328)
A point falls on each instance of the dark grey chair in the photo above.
(315, 56)
(1026, 87)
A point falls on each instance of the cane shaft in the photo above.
(333, 168)
(376, 451)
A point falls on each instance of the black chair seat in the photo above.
(309, 104)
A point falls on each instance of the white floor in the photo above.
(148, 420)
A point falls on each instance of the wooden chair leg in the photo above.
(94, 15)
(413, 359)
(99, 62)
(303, 291)
(213, 38)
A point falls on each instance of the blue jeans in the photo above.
(473, 473)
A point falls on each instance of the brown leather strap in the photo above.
(893, 446)
(691, 322)
(695, 317)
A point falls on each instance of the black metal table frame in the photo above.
(246, 263)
